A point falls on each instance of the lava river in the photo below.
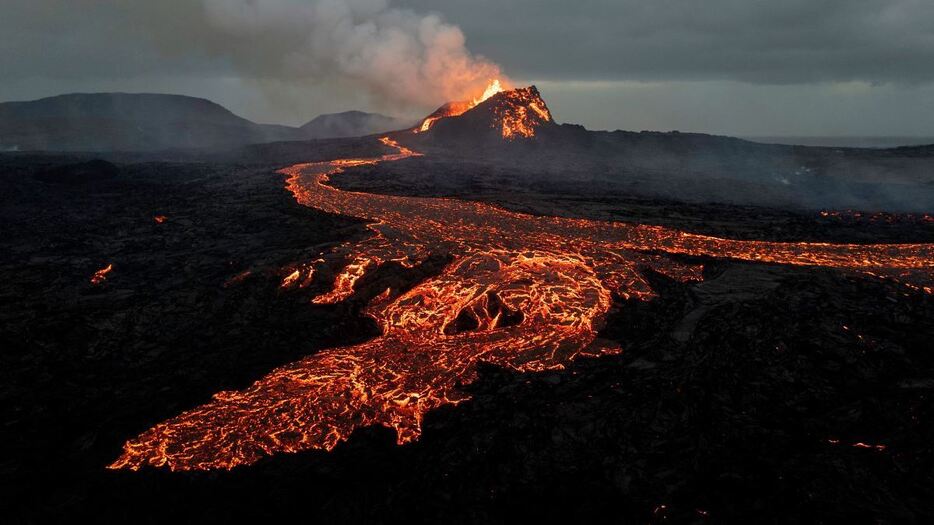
(524, 292)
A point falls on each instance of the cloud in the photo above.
(830, 109)
(757, 41)
(804, 63)
(397, 56)
(397, 51)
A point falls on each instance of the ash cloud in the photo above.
(397, 55)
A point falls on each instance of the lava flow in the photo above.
(454, 109)
(101, 275)
(524, 292)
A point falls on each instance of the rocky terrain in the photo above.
(764, 393)
(350, 124)
(525, 189)
(687, 167)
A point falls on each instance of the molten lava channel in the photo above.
(523, 292)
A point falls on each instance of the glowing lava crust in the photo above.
(523, 292)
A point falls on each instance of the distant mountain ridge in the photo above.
(351, 124)
(150, 122)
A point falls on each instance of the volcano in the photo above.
(515, 130)
(510, 115)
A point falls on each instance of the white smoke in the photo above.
(396, 55)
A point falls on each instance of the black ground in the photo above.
(738, 399)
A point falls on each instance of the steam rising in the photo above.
(396, 55)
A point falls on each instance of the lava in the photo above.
(516, 113)
(101, 275)
(237, 279)
(522, 111)
(454, 109)
(852, 216)
(860, 444)
(528, 293)
(290, 279)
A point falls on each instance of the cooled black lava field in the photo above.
(784, 393)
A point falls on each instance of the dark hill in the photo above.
(351, 124)
(129, 122)
(152, 122)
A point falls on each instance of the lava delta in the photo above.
(528, 293)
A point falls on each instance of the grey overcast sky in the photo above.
(742, 67)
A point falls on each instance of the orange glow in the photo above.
(427, 123)
(528, 293)
(101, 275)
(237, 279)
(877, 217)
(453, 109)
(160, 219)
(491, 90)
(517, 114)
(290, 279)
(521, 113)
(860, 444)
(880, 448)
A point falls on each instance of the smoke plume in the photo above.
(397, 56)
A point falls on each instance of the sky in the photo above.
(737, 67)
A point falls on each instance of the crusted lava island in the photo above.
(486, 317)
